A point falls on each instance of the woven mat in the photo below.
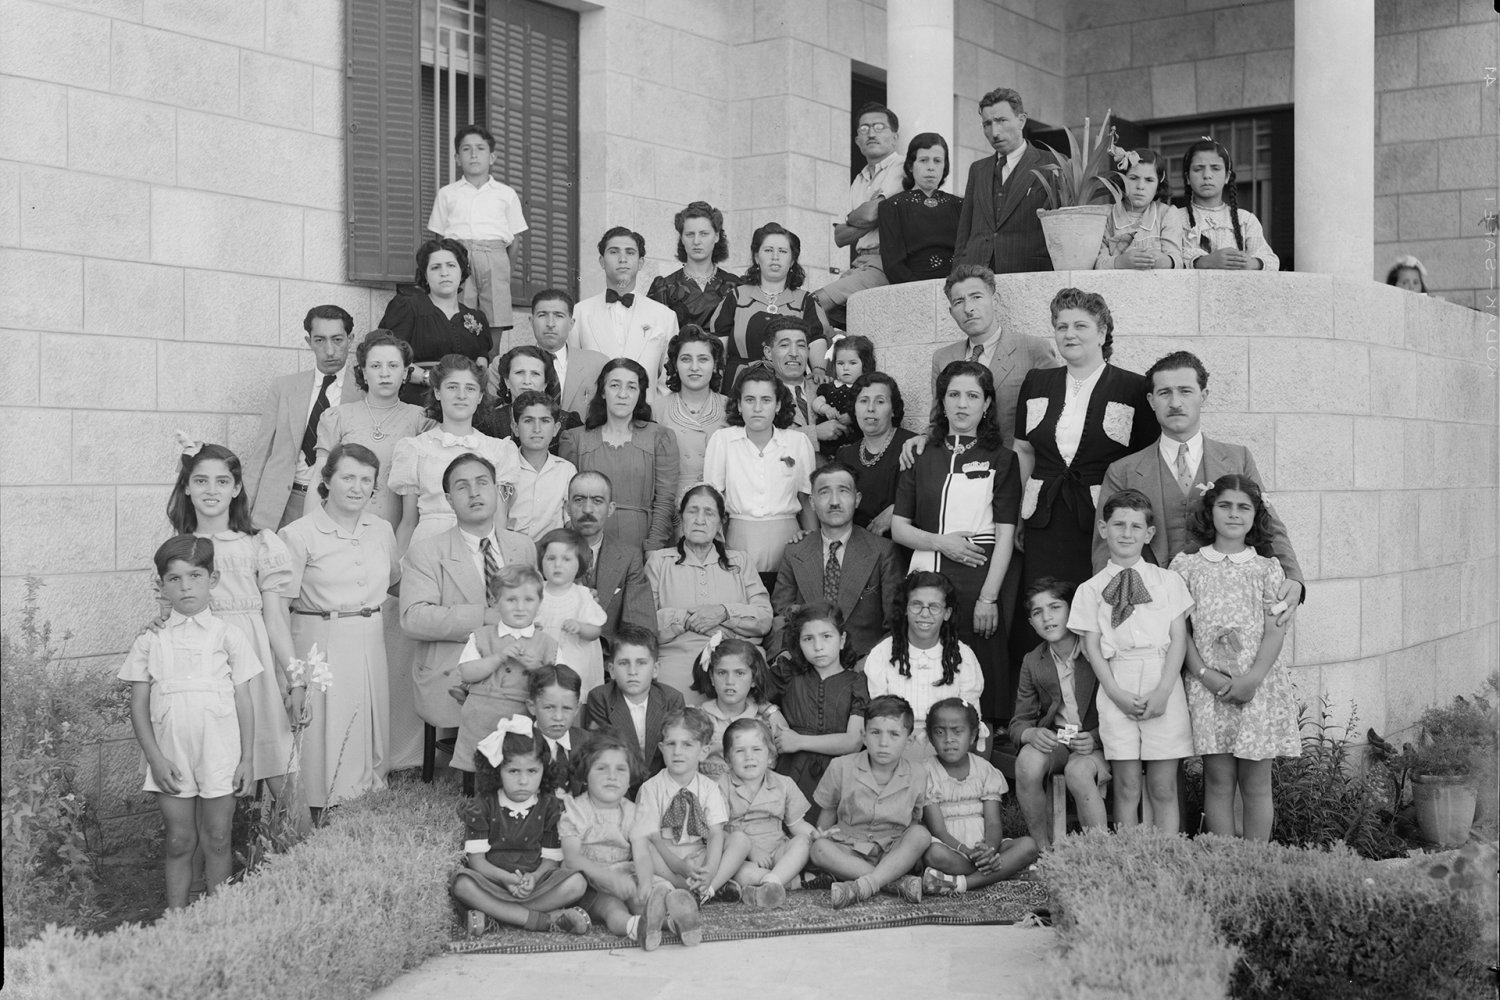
(807, 911)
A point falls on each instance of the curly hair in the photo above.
(598, 414)
(795, 275)
(1002, 95)
(702, 210)
(898, 405)
(919, 142)
(600, 742)
(378, 338)
(761, 371)
(432, 246)
(801, 617)
(550, 382)
(1092, 303)
(760, 677)
(450, 364)
(694, 334)
(180, 510)
(487, 775)
(1200, 521)
(987, 434)
(1231, 198)
(947, 634)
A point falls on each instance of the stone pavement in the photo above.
(958, 963)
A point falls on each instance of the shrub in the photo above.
(338, 915)
(1457, 739)
(1290, 922)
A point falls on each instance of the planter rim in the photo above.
(1443, 779)
(1076, 210)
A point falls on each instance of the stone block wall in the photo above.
(1371, 415)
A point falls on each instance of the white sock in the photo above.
(633, 926)
(960, 883)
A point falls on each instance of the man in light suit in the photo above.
(616, 573)
(443, 594)
(998, 225)
(622, 323)
(868, 572)
(577, 369)
(278, 467)
(975, 307)
(1179, 387)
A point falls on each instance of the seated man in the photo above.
(881, 178)
(616, 573)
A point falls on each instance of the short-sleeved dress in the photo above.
(603, 832)
(962, 802)
(815, 706)
(378, 430)
(586, 657)
(515, 836)
(1231, 596)
(418, 463)
(432, 334)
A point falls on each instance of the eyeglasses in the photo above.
(874, 128)
(918, 608)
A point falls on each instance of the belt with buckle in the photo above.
(336, 615)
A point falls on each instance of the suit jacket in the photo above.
(583, 375)
(1143, 471)
(867, 585)
(270, 466)
(621, 587)
(1014, 356)
(442, 604)
(1016, 243)
(1039, 694)
(651, 326)
(605, 708)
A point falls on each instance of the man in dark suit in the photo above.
(840, 563)
(1176, 471)
(616, 573)
(278, 468)
(577, 369)
(998, 225)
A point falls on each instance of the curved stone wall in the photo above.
(1370, 411)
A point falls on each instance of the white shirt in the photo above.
(541, 497)
(303, 475)
(759, 486)
(986, 347)
(1007, 163)
(491, 211)
(1169, 448)
(881, 177)
(638, 719)
(843, 541)
(1075, 408)
(1147, 632)
(560, 365)
(477, 554)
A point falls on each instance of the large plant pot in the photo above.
(1445, 807)
(1074, 235)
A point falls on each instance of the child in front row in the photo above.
(191, 711)
(1216, 232)
(512, 855)
(553, 704)
(633, 703)
(771, 813)
(1056, 721)
(679, 819)
(732, 674)
(869, 804)
(1133, 619)
(969, 849)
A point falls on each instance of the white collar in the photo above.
(503, 630)
(516, 809)
(1213, 555)
(177, 619)
(872, 170)
(319, 376)
(843, 538)
(1169, 448)
(473, 541)
(565, 741)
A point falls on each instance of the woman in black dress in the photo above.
(1071, 423)
(918, 226)
(878, 412)
(693, 290)
(433, 321)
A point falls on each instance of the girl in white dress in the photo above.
(569, 612)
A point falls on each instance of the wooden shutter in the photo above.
(533, 106)
(380, 161)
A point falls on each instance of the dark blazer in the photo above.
(1016, 243)
(1143, 471)
(561, 766)
(1039, 694)
(605, 708)
(621, 587)
(1015, 355)
(867, 586)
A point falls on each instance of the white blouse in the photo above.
(1074, 413)
(760, 485)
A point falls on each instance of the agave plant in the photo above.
(1078, 181)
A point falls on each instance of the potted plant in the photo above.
(1456, 744)
(1079, 197)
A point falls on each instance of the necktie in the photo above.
(976, 352)
(802, 407)
(832, 572)
(1124, 592)
(1184, 474)
(611, 296)
(310, 434)
(684, 817)
(1005, 167)
(491, 572)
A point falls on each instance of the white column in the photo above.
(1334, 92)
(919, 71)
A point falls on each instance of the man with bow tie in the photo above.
(449, 589)
(621, 323)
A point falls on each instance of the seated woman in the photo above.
(692, 408)
(772, 286)
(878, 412)
(919, 225)
(433, 321)
(525, 369)
(694, 290)
(701, 588)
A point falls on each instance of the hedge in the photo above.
(338, 915)
(1144, 914)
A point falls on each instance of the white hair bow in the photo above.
(186, 444)
(706, 657)
(491, 746)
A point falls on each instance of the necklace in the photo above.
(701, 280)
(868, 458)
(931, 199)
(377, 433)
(775, 297)
(960, 445)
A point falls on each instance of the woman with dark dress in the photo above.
(956, 509)
(878, 412)
(772, 287)
(694, 290)
(433, 321)
(919, 225)
(1071, 423)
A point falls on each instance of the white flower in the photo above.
(319, 675)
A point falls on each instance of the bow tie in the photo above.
(684, 817)
(611, 296)
(1124, 592)
(519, 633)
(470, 441)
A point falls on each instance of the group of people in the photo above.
(684, 601)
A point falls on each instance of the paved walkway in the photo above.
(961, 963)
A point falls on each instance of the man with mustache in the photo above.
(616, 573)
(1176, 471)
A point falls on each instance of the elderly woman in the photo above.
(878, 412)
(772, 287)
(694, 290)
(434, 322)
(525, 369)
(1071, 423)
(693, 407)
(620, 440)
(917, 226)
(702, 588)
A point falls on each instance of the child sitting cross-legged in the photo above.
(869, 806)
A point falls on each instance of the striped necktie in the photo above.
(491, 572)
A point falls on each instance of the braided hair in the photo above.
(1230, 197)
(947, 635)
